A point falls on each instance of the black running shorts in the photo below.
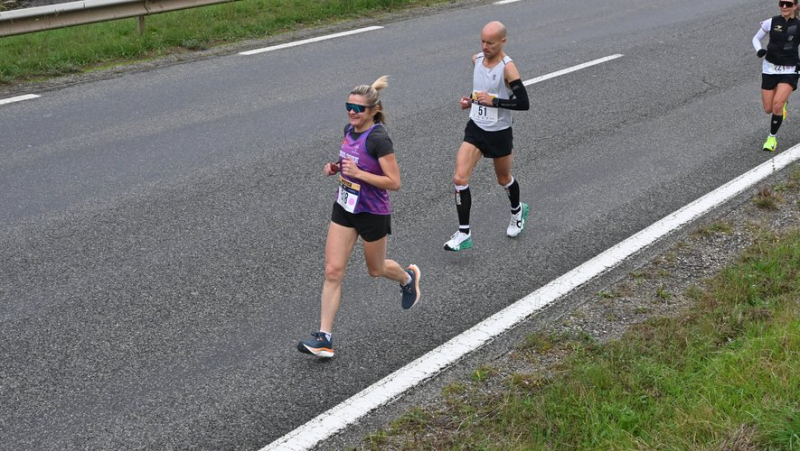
(770, 82)
(370, 227)
(491, 144)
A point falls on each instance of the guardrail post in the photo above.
(140, 24)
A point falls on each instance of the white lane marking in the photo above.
(570, 69)
(18, 98)
(307, 41)
(505, 2)
(427, 366)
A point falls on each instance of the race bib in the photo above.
(482, 113)
(773, 69)
(348, 194)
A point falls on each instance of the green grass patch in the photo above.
(724, 375)
(605, 294)
(791, 184)
(767, 199)
(541, 342)
(483, 373)
(76, 49)
(716, 228)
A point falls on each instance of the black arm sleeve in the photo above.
(519, 97)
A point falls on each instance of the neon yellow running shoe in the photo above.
(770, 144)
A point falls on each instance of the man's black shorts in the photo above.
(491, 144)
(770, 82)
(370, 227)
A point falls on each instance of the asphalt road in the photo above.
(162, 232)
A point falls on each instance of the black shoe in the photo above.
(318, 346)
(411, 290)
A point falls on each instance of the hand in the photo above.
(330, 168)
(483, 98)
(349, 168)
(465, 102)
(761, 52)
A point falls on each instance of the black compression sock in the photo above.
(463, 206)
(512, 191)
(777, 120)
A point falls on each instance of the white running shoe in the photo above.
(459, 242)
(517, 223)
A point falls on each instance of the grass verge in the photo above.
(725, 374)
(77, 49)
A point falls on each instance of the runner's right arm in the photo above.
(762, 33)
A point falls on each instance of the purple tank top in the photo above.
(355, 195)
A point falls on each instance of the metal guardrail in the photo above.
(30, 20)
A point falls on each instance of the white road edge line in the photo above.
(307, 41)
(18, 99)
(430, 364)
(505, 2)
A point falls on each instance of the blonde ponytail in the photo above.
(381, 83)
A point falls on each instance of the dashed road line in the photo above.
(308, 41)
(18, 99)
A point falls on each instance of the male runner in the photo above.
(497, 89)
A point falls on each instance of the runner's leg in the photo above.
(767, 96)
(379, 266)
(466, 160)
(338, 247)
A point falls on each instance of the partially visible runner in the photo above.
(779, 69)
(496, 89)
(368, 169)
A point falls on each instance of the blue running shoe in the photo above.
(411, 290)
(318, 346)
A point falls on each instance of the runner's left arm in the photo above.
(519, 98)
(519, 95)
(390, 180)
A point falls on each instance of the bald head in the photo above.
(496, 29)
(493, 37)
